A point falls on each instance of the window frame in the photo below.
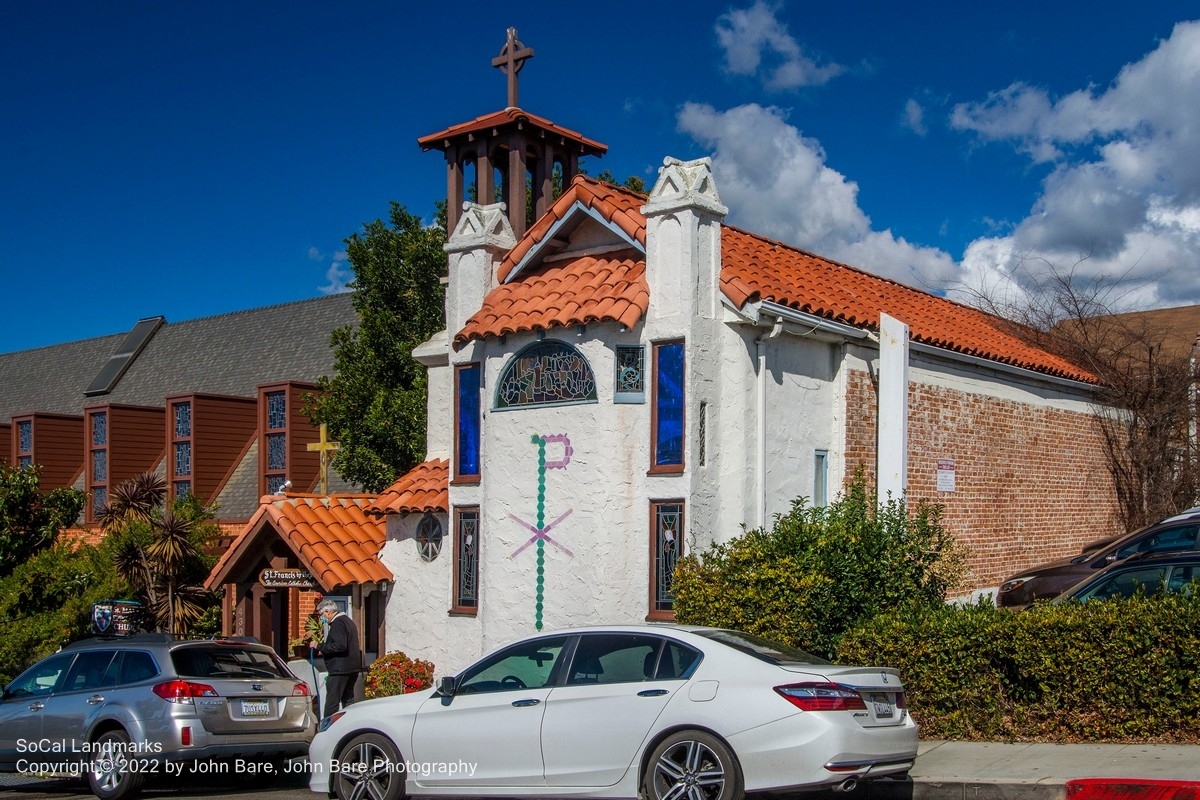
(458, 607)
(629, 397)
(654, 613)
(820, 496)
(657, 468)
(459, 476)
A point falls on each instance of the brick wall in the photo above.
(1031, 481)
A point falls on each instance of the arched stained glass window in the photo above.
(546, 373)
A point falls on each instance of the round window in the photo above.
(429, 537)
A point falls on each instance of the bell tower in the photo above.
(503, 152)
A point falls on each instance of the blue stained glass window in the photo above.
(275, 483)
(668, 400)
(183, 488)
(276, 410)
(24, 436)
(183, 459)
(100, 428)
(183, 420)
(99, 466)
(467, 446)
(276, 452)
(26, 461)
(99, 498)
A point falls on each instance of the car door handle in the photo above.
(94, 699)
(653, 692)
(533, 701)
(36, 705)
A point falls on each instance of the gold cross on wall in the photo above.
(512, 57)
(326, 447)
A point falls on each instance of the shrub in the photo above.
(818, 571)
(1113, 671)
(396, 673)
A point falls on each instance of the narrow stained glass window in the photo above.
(25, 437)
(276, 451)
(468, 430)
(183, 488)
(276, 410)
(99, 499)
(275, 483)
(668, 406)
(99, 466)
(466, 578)
(546, 373)
(183, 459)
(667, 549)
(100, 428)
(183, 420)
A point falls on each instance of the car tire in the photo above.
(113, 774)
(695, 765)
(369, 766)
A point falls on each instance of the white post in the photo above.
(893, 408)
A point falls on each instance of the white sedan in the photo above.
(681, 712)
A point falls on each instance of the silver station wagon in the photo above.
(124, 711)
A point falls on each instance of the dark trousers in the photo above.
(339, 692)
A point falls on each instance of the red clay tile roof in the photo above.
(514, 117)
(424, 488)
(753, 268)
(756, 268)
(333, 536)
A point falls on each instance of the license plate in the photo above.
(883, 705)
(256, 708)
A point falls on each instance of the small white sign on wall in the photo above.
(945, 475)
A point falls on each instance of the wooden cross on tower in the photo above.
(512, 57)
(326, 447)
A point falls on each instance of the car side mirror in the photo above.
(448, 686)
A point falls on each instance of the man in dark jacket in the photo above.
(343, 658)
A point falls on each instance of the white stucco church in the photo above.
(630, 379)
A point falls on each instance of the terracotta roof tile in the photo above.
(334, 537)
(596, 289)
(756, 268)
(506, 118)
(424, 488)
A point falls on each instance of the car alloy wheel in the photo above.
(369, 768)
(110, 776)
(692, 765)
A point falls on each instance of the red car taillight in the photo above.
(822, 697)
(183, 691)
(300, 690)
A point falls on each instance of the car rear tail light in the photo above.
(183, 691)
(185, 736)
(901, 700)
(300, 690)
(822, 697)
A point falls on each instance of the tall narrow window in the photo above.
(667, 440)
(467, 413)
(466, 560)
(820, 497)
(25, 443)
(182, 440)
(702, 434)
(666, 548)
(99, 461)
(276, 472)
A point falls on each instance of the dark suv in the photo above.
(1046, 581)
(121, 711)
(1148, 573)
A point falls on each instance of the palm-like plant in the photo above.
(157, 556)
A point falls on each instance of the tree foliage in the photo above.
(30, 520)
(1146, 379)
(818, 571)
(161, 552)
(374, 404)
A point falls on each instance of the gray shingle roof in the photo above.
(227, 354)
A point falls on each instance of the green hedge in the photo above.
(1113, 671)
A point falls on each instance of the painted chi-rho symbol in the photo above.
(540, 530)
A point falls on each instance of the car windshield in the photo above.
(760, 648)
(224, 661)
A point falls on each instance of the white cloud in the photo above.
(1123, 198)
(337, 275)
(914, 118)
(752, 36)
(776, 183)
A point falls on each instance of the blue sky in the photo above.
(191, 158)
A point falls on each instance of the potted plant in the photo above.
(313, 630)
